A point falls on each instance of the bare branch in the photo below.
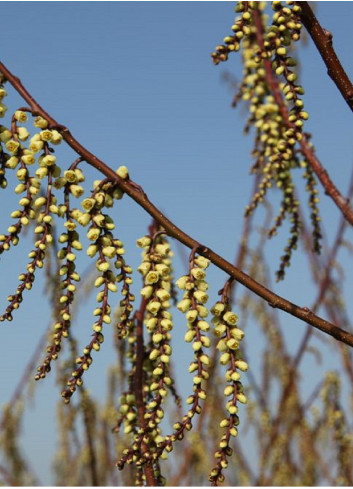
(323, 41)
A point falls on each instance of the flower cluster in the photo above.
(242, 27)
(277, 113)
(43, 232)
(229, 337)
(27, 211)
(68, 274)
(193, 306)
(105, 247)
(157, 275)
(156, 294)
(15, 156)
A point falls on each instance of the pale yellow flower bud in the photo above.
(218, 308)
(143, 242)
(162, 249)
(71, 257)
(153, 307)
(189, 336)
(224, 423)
(203, 325)
(20, 116)
(228, 390)
(220, 329)
(12, 162)
(23, 134)
(59, 183)
(109, 251)
(93, 234)
(182, 281)
(48, 160)
(202, 310)
(76, 213)
(231, 318)
(237, 333)
(222, 345)
(28, 159)
(88, 204)
(84, 219)
(21, 173)
(12, 146)
(3, 109)
(92, 250)
(123, 172)
(224, 359)
(163, 295)
(198, 273)
(197, 346)
(166, 324)
(5, 135)
(151, 323)
(152, 277)
(99, 219)
(232, 344)
(42, 173)
(202, 262)
(235, 376)
(184, 305)
(79, 175)
(154, 354)
(56, 137)
(70, 176)
(102, 266)
(200, 296)
(45, 135)
(21, 187)
(241, 398)
(162, 269)
(144, 267)
(106, 319)
(76, 190)
(40, 122)
(36, 145)
(191, 315)
(241, 365)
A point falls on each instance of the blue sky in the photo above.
(135, 83)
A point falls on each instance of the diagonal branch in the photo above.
(139, 196)
(323, 41)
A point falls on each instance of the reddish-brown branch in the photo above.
(92, 459)
(137, 194)
(138, 380)
(323, 41)
(320, 171)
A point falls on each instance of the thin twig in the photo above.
(139, 378)
(323, 41)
